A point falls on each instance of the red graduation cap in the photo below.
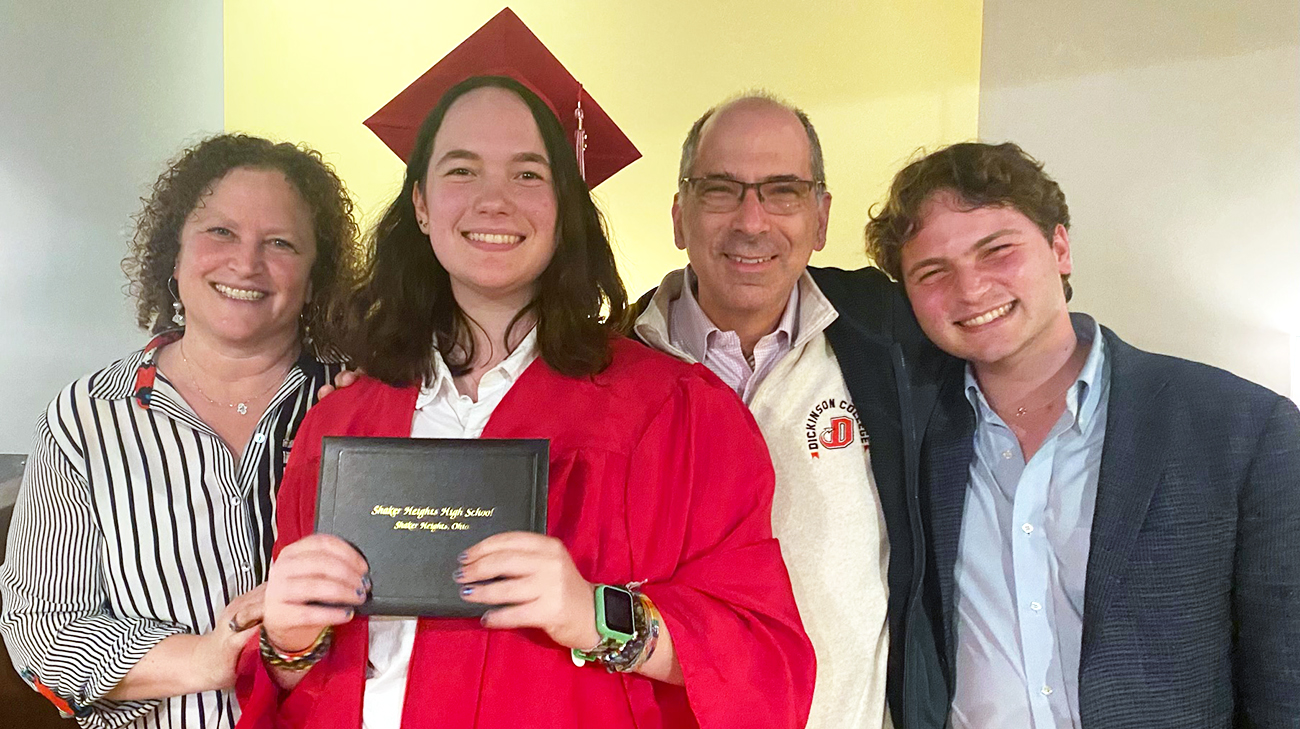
(504, 46)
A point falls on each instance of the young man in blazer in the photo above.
(1114, 535)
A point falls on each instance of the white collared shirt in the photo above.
(440, 412)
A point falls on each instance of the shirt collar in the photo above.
(816, 312)
(134, 374)
(1094, 374)
(652, 326)
(509, 369)
(810, 315)
(1088, 386)
(696, 332)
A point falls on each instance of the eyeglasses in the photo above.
(778, 197)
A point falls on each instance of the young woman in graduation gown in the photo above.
(493, 286)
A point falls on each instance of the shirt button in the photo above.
(259, 438)
(1035, 606)
(234, 500)
(1027, 528)
(1047, 690)
(1007, 454)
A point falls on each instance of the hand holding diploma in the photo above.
(316, 582)
(534, 583)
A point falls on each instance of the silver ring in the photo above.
(234, 625)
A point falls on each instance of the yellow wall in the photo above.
(879, 80)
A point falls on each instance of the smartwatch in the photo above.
(614, 614)
(615, 623)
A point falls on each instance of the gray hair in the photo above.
(692, 144)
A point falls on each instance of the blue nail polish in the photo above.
(462, 558)
(458, 574)
(365, 581)
(361, 593)
(466, 590)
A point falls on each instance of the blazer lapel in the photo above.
(1131, 463)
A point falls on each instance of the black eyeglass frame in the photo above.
(813, 186)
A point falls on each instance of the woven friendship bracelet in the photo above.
(296, 660)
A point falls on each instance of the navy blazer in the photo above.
(1192, 595)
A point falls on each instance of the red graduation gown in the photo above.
(657, 473)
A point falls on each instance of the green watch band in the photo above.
(615, 623)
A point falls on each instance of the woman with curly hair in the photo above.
(144, 526)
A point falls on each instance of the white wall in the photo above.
(1174, 130)
(94, 98)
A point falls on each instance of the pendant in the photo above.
(242, 409)
(1020, 412)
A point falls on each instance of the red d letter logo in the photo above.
(839, 435)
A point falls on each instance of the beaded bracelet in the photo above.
(637, 651)
(296, 660)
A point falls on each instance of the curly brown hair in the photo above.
(980, 175)
(192, 174)
(402, 306)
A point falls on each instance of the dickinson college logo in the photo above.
(831, 425)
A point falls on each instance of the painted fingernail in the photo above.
(463, 557)
(484, 619)
(348, 613)
(365, 581)
(361, 593)
(458, 574)
(466, 590)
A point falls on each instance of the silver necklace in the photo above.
(240, 407)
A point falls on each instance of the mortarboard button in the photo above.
(504, 46)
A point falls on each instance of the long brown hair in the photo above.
(402, 306)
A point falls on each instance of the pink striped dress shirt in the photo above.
(693, 332)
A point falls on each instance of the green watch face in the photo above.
(614, 613)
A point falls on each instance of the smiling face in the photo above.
(245, 259)
(748, 260)
(487, 202)
(985, 283)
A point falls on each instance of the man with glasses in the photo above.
(832, 398)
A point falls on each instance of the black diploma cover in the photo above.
(412, 505)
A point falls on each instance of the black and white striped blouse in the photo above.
(134, 523)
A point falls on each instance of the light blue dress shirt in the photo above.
(1023, 557)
